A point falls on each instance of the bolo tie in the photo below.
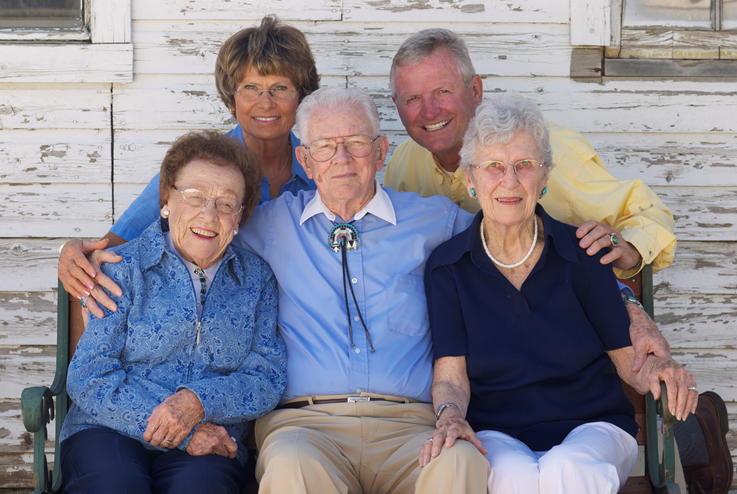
(344, 237)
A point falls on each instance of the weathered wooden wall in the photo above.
(73, 156)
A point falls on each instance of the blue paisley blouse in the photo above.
(133, 359)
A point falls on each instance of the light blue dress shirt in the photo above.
(145, 209)
(397, 233)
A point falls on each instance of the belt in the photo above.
(349, 399)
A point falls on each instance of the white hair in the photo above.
(498, 120)
(332, 99)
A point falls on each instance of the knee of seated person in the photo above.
(554, 466)
(288, 448)
(514, 469)
(461, 454)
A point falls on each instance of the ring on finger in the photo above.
(167, 442)
(613, 239)
(693, 388)
(83, 302)
(429, 440)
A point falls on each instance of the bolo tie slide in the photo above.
(344, 237)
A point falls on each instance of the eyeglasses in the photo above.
(497, 169)
(357, 146)
(198, 199)
(279, 92)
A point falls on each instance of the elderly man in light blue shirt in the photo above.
(349, 260)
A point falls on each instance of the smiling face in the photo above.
(435, 106)
(509, 200)
(265, 119)
(201, 234)
(345, 183)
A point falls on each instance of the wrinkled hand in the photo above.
(173, 420)
(595, 236)
(681, 400)
(645, 337)
(211, 439)
(450, 427)
(82, 277)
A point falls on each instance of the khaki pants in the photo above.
(363, 447)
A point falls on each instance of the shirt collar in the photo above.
(209, 272)
(380, 206)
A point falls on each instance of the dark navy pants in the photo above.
(99, 460)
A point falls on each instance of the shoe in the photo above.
(716, 477)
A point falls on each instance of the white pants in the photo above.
(595, 458)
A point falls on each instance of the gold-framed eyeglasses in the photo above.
(497, 169)
(279, 92)
(358, 146)
(198, 199)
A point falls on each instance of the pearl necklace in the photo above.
(509, 266)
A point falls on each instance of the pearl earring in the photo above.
(235, 232)
(165, 213)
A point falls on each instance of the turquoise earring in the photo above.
(545, 191)
(473, 194)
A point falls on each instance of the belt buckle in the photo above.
(354, 399)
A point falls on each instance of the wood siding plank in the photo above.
(702, 213)
(700, 268)
(56, 210)
(253, 10)
(54, 106)
(619, 106)
(54, 156)
(37, 63)
(361, 48)
(27, 318)
(696, 160)
(443, 11)
(697, 321)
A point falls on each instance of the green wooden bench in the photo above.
(41, 404)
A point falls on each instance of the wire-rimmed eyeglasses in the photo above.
(358, 146)
(497, 169)
(279, 92)
(198, 199)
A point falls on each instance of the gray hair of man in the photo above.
(498, 120)
(332, 98)
(421, 45)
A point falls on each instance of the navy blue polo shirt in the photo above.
(535, 357)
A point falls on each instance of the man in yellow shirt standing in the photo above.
(436, 90)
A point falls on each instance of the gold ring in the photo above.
(693, 388)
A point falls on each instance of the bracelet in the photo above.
(443, 407)
(639, 263)
(628, 299)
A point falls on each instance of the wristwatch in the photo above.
(628, 299)
(443, 407)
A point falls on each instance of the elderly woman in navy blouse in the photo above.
(162, 388)
(526, 326)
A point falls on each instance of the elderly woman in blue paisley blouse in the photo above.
(163, 387)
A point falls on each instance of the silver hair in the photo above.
(420, 46)
(332, 98)
(496, 123)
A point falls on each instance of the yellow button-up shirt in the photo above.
(579, 189)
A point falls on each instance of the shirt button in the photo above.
(356, 318)
(354, 281)
(357, 350)
(358, 390)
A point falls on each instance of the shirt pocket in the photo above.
(407, 305)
